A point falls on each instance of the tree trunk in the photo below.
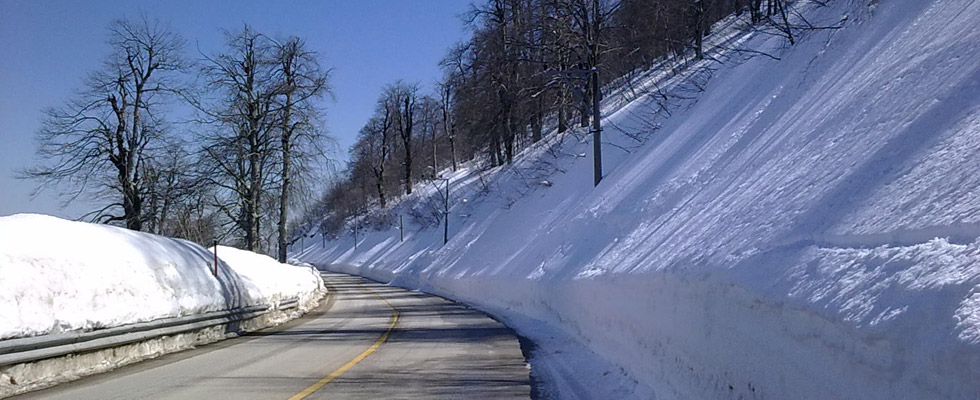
(283, 206)
(379, 181)
(782, 12)
(452, 145)
(494, 151)
(131, 208)
(286, 161)
(408, 168)
(407, 125)
(536, 121)
(562, 116)
(381, 192)
(133, 217)
(699, 28)
(509, 148)
(255, 183)
(435, 159)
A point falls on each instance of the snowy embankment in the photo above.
(804, 228)
(58, 275)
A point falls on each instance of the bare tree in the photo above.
(182, 198)
(241, 144)
(299, 79)
(428, 123)
(169, 179)
(454, 72)
(590, 25)
(404, 97)
(373, 147)
(448, 122)
(105, 134)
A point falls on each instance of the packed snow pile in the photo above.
(58, 275)
(805, 228)
(266, 279)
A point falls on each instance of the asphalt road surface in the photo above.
(367, 341)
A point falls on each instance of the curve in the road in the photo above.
(336, 373)
(418, 347)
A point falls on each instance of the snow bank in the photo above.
(267, 279)
(804, 228)
(58, 275)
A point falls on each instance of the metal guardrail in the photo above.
(21, 350)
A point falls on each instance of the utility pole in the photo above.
(589, 77)
(596, 129)
(445, 214)
(596, 96)
(445, 225)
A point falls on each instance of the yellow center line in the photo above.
(374, 347)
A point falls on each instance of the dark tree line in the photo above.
(528, 65)
(259, 135)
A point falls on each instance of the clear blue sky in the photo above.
(47, 47)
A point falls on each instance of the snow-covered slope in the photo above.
(58, 275)
(807, 229)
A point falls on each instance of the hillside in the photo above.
(805, 227)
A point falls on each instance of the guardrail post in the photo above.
(215, 258)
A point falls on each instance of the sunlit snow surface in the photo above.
(804, 228)
(58, 275)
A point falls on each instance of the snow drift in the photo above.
(804, 228)
(58, 275)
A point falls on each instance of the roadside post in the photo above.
(215, 258)
(445, 214)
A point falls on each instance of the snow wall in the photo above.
(804, 228)
(58, 275)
